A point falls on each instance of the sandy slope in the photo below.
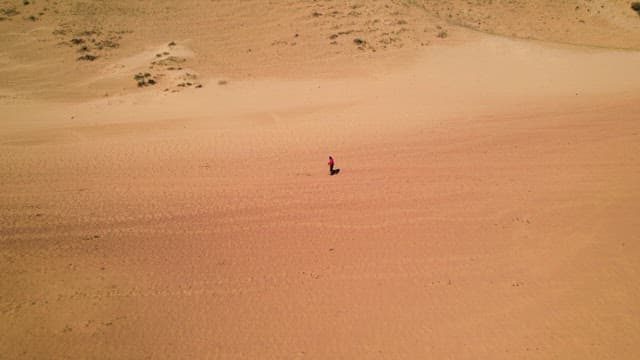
(486, 205)
(594, 23)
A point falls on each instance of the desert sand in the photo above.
(164, 190)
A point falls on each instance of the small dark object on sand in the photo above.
(87, 57)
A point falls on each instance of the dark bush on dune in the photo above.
(636, 6)
(87, 57)
(9, 12)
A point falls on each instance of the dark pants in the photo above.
(331, 169)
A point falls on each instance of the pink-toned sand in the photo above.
(486, 207)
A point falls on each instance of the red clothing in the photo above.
(331, 171)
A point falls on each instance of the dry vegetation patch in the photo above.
(92, 43)
(171, 69)
(598, 23)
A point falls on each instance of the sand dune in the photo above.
(485, 206)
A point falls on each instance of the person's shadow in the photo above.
(335, 172)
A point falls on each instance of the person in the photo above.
(331, 163)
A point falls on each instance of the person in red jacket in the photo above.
(331, 164)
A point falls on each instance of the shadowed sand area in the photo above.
(486, 206)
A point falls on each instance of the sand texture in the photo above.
(164, 189)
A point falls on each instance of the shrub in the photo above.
(9, 12)
(107, 44)
(87, 57)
